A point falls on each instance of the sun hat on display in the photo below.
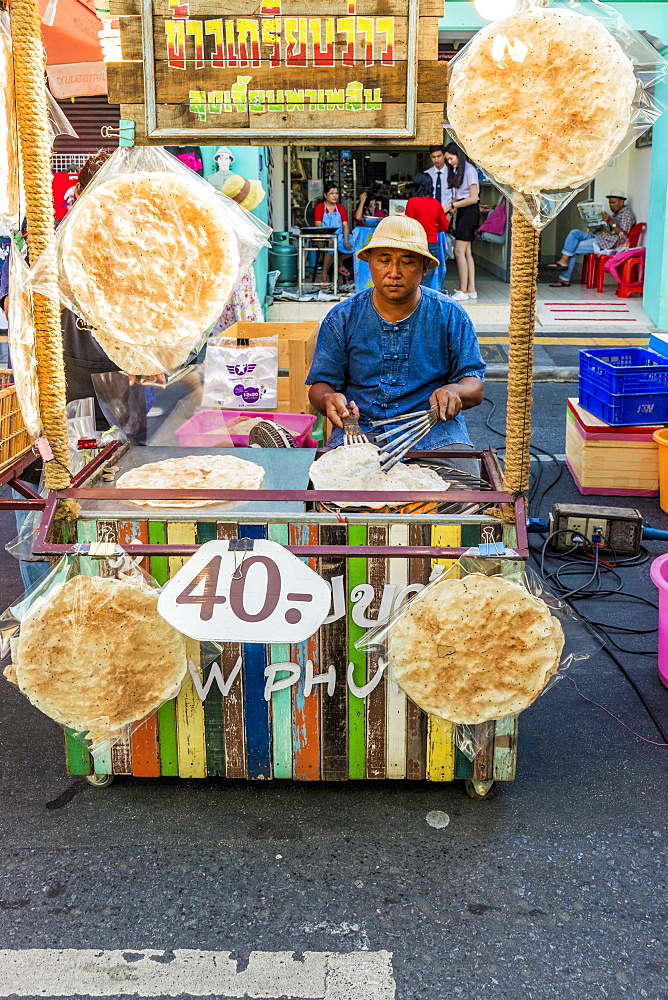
(246, 193)
(399, 232)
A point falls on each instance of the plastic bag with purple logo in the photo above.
(241, 374)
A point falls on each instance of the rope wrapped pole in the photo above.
(523, 273)
(35, 136)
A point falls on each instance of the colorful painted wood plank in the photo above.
(505, 748)
(281, 701)
(87, 531)
(144, 743)
(416, 719)
(258, 722)
(77, 758)
(306, 710)
(483, 762)
(376, 724)
(396, 699)
(121, 757)
(357, 572)
(190, 733)
(440, 750)
(236, 764)
(463, 764)
(470, 535)
(159, 569)
(214, 723)
(333, 654)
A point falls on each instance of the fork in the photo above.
(351, 431)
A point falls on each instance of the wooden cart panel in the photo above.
(333, 724)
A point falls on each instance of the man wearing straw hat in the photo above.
(398, 347)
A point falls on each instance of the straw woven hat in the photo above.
(246, 193)
(401, 233)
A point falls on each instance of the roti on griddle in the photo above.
(95, 656)
(542, 99)
(201, 472)
(151, 260)
(475, 649)
(357, 467)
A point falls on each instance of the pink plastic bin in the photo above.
(659, 574)
(201, 429)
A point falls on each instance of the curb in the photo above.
(499, 373)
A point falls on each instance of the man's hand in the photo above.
(337, 408)
(448, 402)
(606, 217)
(158, 380)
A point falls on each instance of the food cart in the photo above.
(342, 717)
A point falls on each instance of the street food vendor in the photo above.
(398, 347)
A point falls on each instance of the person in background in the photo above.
(493, 229)
(464, 196)
(329, 214)
(438, 171)
(613, 236)
(424, 207)
(369, 205)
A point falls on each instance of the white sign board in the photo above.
(263, 594)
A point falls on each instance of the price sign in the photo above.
(263, 594)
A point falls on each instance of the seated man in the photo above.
(619, 224)
(398, 347)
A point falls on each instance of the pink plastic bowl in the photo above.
(659, 574)
(203, 429)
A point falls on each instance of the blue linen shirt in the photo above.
(392, 368)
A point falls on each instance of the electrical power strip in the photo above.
(619, 527)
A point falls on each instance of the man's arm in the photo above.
(453, 398)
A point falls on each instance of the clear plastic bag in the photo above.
(544, 99)
(241, 376)
(9, 141)
(148, 257)
(21, 339)
(58, 121)
(89, 649)
(579, 643)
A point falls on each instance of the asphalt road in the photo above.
(554, 890)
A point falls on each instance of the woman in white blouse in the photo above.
(464, 200)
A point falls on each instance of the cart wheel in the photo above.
(480, 789)
(100, 780)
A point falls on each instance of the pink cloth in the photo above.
(612, 263)
(496, 221)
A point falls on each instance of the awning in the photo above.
(74, 56)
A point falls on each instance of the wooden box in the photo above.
(296, 344)
(14, 438)
(610, 461)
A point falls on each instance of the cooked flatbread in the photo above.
(542, 99)
(357, 467)
(9, 166)
(151, 259)
(21, 337)
(201, 472)
(95, 655)
(475, 649)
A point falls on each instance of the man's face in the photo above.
(438, 159)
(616, 205)
(396, 273)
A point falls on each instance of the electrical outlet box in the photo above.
(621, 526)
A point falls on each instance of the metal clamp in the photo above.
(125, 132)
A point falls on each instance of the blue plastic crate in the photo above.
(625, 370)
(617, 408)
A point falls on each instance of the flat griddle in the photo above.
(286, 468)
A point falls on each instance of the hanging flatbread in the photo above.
(542, 99)
(95, 656)
(357, 467)
(201, 472)
(151, 260)
(475, 649)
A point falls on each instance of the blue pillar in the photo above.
(251, 163)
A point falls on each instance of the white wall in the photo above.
(631, 173)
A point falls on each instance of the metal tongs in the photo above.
(411, 428)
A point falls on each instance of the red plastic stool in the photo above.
(628, 270)
(588, 269)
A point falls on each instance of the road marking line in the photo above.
(321, 975)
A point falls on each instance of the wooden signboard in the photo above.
(353, 72)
